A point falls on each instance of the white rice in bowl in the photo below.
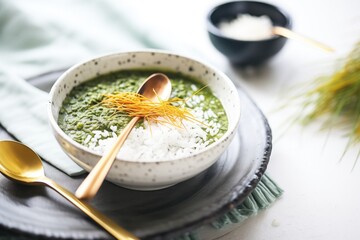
(161, 142)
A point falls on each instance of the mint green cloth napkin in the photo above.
(39, 36)
(23, 114)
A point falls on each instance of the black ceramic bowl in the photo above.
(241, 52)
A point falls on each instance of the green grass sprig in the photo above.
(335, 98)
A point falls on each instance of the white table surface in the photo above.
(322, 193)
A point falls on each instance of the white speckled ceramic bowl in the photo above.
(159, 173)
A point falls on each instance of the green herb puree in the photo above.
(82, 112)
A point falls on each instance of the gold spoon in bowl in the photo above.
(18, 162)
(155, 87)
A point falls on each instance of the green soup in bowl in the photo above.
(155, 155)
(87, 121)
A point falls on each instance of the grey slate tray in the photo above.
(161, 214)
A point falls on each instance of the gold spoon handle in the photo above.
(91, 184)
(292, 35)
(110, 226)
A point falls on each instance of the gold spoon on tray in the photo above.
(155, 87)
(18, 162)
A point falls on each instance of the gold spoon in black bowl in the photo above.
(284, 32)
(20, 163)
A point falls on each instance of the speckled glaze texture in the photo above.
(159, 173)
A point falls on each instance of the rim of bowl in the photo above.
(216, 31)
(57, 128)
